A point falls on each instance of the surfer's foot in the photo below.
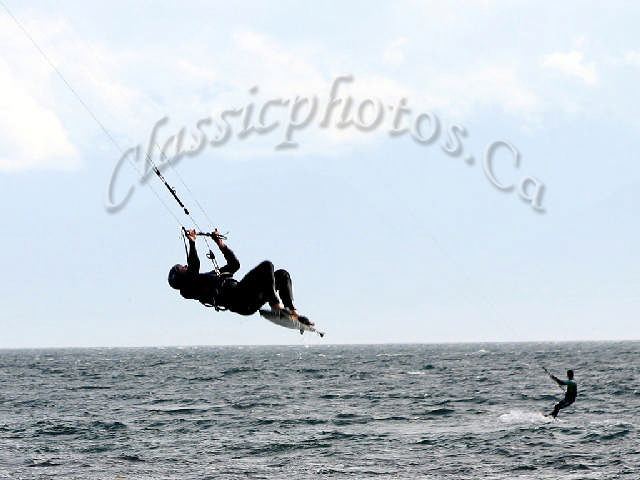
(276, 307)
(293, 313)
(304, 320)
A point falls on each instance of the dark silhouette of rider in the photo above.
(570, 395)
(261, 285)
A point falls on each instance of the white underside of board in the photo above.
(284, 320)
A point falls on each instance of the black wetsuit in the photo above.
(246, 296)
(569, 396)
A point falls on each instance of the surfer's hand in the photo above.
(191, 235)
(217, 238)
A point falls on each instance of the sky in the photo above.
(388, 237)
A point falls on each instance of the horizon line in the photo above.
(308, 345)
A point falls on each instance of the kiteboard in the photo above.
(283, 319)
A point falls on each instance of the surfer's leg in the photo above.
(255, 289)
(559, 406)
(284, 288)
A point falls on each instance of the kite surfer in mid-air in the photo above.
(569, 396)
(219, 289)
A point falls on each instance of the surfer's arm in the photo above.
(233, 264)
(193, 262)
(558, 381)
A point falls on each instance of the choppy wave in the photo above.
(433, 412)
(519, 416)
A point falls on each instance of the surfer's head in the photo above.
(177, 275)
(570, 374)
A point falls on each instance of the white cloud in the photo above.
(129, 89)
(572, 64)
(465, 92)
(394, 54)
(632, 58)
(31, 134)
(283, 70)
(38, 111)
(195, 71)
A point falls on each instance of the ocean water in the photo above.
(389, 411)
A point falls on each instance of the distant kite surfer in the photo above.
(219, 289)
(569, 396)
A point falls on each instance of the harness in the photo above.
(218, 293)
